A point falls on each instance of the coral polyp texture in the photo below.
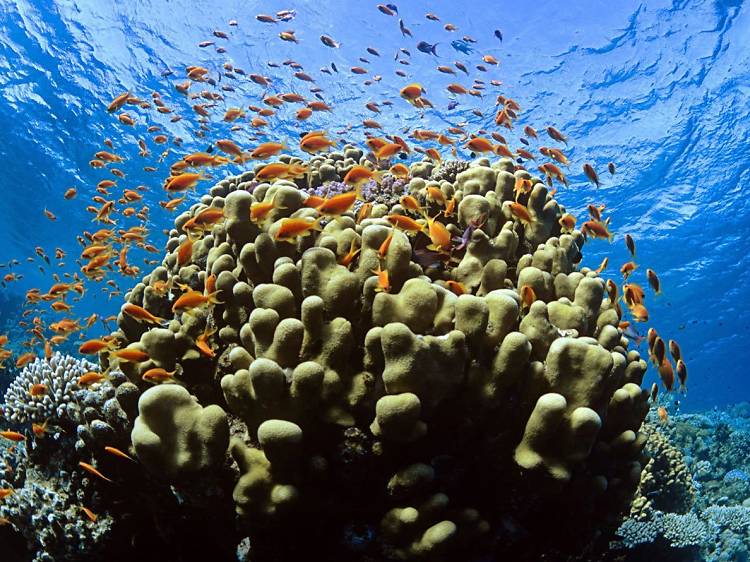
(409, 391)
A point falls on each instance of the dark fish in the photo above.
(404, 30)
(393, 7)
(401, 73)
(364, 60)
(405, 51)
(210, 148)
(329, 41)
(611, 168)
(333, 66)
(427, 48)
(462, 67)
(630, 243)
(324, 70)
(373, 51)
(482, 68)
(469, 39)
(167, 72)
(271, 64)
(462, 46)
(286, 15)
(524, 141)
(452, 105)
(499, 35)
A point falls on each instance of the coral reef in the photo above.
(420, 413)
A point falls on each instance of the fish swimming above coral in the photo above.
(326, 307)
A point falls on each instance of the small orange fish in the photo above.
(157, 375)
(349, 257)
(480, 144)
(201, 342)
(24, 359)
(597, 229)
(94, 346)
(89, 378)
(682, 375)
(91, 469)
(591, 174)
(90, 515)
(141, 314)
(12, 436)
(183, 181)
(528, 296)
(520, 212)
(456, 287)
(5, 492)
(663, 415)
(440, 237)
(403, 222)
(292, 228)
(192, 299)
(38, 389)
(383, 282)
(603, 265)
(266, 150)
(359, 175)
(131, 355)
(639, 312)
(118, 453)
(653, 280)
(627, 269)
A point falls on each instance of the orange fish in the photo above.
(184, 252)
(90, 515)
(89, 378)
(157, 375)
(682, 375)
(118, 453)
(591, 174)
(359, 175)
(89, 468)
(266, 150)
(38, 389)
(131, 355)
(192, 299)
(653, 280)
(439, 236)
(663, 415)
(456, 287)
(528, 296)
(628, 268)
(24, 359)
(140, 314)
(480, 144)
(597, 229)
(94, 346)
(12, 436)
(292, 228)
(349, 257)
(520, 212)
(338, 204)
(201, 342)
(403, 222)
(183, 181)
(316, 143)
(639, 312)
(383, 282)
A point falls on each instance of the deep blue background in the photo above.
(661, 88)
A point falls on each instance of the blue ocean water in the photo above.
(660, 88)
